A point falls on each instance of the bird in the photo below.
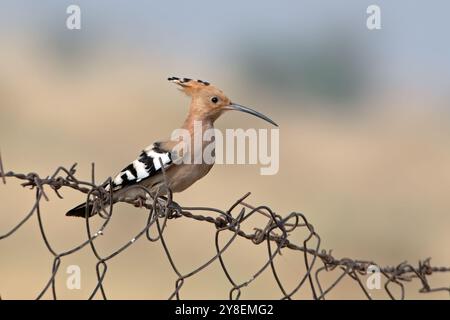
(160, 163)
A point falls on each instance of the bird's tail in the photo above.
(80, 211)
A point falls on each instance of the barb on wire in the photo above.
(277, 235)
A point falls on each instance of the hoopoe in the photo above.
(207, 104)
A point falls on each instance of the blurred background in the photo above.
(364, 131)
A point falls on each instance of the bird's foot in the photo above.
(174, 210)
(140, 202)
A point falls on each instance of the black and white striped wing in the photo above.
(145, 166)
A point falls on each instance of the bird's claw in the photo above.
(139, 202)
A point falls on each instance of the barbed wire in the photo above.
(277, 235)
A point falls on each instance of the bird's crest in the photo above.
(189, 86)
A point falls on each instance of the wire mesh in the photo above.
(277, 236)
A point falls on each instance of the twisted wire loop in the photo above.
(277, 236)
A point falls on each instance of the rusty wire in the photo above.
(277, 235)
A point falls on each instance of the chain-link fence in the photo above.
(277, 236)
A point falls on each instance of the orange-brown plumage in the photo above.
(206, 106)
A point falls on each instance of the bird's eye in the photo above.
(214, 99)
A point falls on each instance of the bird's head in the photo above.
(209, 101)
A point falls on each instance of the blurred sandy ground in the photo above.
(368, 166)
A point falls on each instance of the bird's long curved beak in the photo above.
(238, 107)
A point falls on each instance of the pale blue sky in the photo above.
(412, 49)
